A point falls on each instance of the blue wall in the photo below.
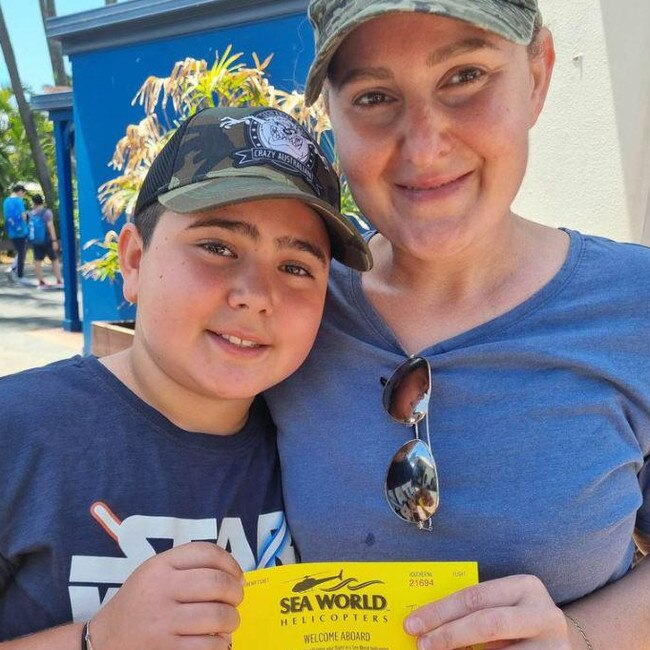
(106, 81)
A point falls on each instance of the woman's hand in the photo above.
(513, 612)
(183, 599)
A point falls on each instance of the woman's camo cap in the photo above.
(220, 156)
(333, 20)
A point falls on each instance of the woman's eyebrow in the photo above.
(460, 47)
(241, 227)
(302, 245)
(437, 56)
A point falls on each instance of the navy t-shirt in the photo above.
(94, 481)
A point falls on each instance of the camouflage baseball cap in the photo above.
(221, 156)
(333, 20)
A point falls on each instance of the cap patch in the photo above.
(278, 141)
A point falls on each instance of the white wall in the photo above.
(590, 151)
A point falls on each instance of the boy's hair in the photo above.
(37, 199)
(18, 188)
(146, 220)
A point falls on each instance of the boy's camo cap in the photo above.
(333, 20)
(221, 156)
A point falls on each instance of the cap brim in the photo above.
(490, 16)
(347, 244)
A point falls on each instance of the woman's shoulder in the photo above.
(609, 275)
(604, 247)
(610, 260)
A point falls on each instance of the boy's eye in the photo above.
(217, 248)
(372, 98)
(465, 76)
(296, 269)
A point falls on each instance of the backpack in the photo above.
(37, 233)
(14, 223)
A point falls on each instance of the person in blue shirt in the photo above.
(536, 341)
(15, 218)
(49, 246)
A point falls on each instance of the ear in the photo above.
(541, 68)
(130, 250)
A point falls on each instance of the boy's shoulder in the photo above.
(33, 388)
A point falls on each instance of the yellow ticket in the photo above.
(342, 605)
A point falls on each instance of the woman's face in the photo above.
(431, 117)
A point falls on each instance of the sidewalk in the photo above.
(30, 324)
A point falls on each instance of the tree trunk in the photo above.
(26, 114)
(48, 10)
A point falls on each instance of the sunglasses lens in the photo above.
(406, 394)
(412, 483)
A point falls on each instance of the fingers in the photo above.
(493, 626)
(203, 554)
(496, 612)
(205, 619)
(201, 585)
(203, 643)
(494, 593)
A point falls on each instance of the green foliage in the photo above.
(16, 160)
(107, 266)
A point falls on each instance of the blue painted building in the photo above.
(114, 49)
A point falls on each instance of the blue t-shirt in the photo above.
(540, 427)
(13, 208)
(94, 481)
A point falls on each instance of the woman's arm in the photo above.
(52, 231)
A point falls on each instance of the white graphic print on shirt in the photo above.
(89, 574)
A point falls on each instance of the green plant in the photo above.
(191, 86)
(16, 159)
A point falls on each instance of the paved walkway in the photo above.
(30, 324)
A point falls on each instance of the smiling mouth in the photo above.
(434, 186)
(241, 343)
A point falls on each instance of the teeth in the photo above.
(242, 343)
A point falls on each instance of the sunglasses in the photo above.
(411, 485)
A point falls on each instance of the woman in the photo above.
(536, 338)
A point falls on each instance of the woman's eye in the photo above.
(372, 99)
(465, 76)
(296, 269)
(215, 248)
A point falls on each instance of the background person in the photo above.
(537, 340)
(15, 216)
(49, 247)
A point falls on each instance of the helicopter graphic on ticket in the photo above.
(342, 605)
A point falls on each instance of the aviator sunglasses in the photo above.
(411, 485)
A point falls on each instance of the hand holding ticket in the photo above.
(342, 605)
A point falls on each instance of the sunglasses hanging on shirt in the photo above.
(411, 485)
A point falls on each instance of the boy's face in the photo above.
(229, 300)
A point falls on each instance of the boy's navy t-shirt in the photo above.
(94, 481)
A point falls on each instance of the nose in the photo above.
(425, 136)
(252, 290)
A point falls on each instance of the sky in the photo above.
(27, 35)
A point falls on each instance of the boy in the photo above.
(227, 260)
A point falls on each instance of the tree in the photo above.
(26, 116)
(110, 2)
(48, 10)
